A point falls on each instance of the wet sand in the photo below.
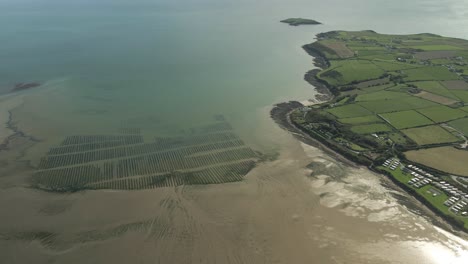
(302, 207)
(6, 106)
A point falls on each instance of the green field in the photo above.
(442, 113)
(435, 88)
(441, 61)
(371, 128)
(398, 138)
(376, 55)
(465, 108)
(398, 174)
(460, 125)
(361, 120)
(359, 46)
(381, 95)
(371, 89)
(430, 135)
(347, 71)
(463, 95)
(429, 73)
(393, 65)
(404, 103)
(436, 47)
(438, 200)
(349, 110)
(368, 51)
(406, 119)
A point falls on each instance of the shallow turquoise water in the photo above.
(178, 62)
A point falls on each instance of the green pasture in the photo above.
(372, 89)
(343, 72)
(435, 47)
(398, 138)
(349, 110)
(430, 135)
(461, 125)
(371, 55)
(393, 65)
(442, 113)
(406, 119)
(462, 94)
(441, 61)
(361, 120)
(429, 73)
(380, 95)
(400, 104)
(435, 88)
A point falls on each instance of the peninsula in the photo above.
(300, 21)
(397, 104)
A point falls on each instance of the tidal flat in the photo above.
(166, 69)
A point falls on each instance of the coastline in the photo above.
(6, 127)
(281, 112)
(281, 115)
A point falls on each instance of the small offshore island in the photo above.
(300, 21)
(397, 104)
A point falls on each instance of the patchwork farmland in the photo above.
(400, 96)
(391, 91)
